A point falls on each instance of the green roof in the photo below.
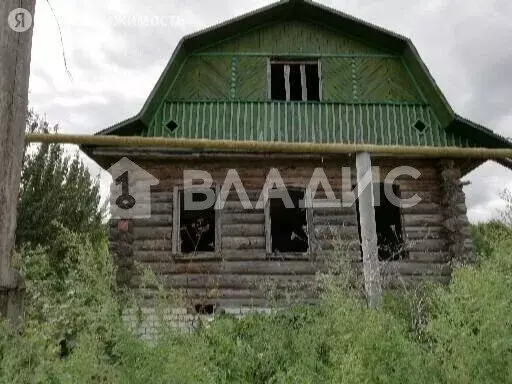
(305, 10)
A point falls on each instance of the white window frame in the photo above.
(287, 64)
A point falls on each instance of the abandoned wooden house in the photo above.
(293, 72)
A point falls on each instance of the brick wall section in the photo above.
(147, 322)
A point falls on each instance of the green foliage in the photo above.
(55, 188)
(472, 322)
(461, 333)
(489, 237)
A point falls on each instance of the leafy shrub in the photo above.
(461, 333)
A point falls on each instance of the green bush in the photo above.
(74, 333)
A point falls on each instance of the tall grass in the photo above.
(461, 333)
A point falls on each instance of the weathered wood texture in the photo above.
(15, 55)
(455, 221)
(367, 223)
(244, 272)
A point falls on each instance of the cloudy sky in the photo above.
(115, 59)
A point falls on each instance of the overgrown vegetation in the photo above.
(456, 334)
(73, 331)
(56, 188)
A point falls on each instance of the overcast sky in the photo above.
(115, 59)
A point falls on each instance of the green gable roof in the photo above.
(305, 10)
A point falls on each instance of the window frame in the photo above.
(267, 196)
(287, 63)
(176, 222)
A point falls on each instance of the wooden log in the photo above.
(152, 233)
(254, 242)
(153, 257)
(243, 230)
(225, 255)
(423, 208)
(429, 257)
(398, 283)
(414, 220)
(338, 211)
(346, 220)
(422, 245)
(206, 294)
(412, 268)
(237, 206)
(339, 244)
(152, 245)
(254, 267)
(371, 269)
(154, 221)
(251, 217)
(232, 281)
(423, 232)
(336, 231)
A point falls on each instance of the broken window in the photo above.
(288, 225)
(294, 80)
(388, 220)
(197, 227)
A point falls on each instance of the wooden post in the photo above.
(15, 47)
(371, 268)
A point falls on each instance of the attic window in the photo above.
(296, 80)
(288, 225)
(388, 220)
(197, 227)
(420, 126)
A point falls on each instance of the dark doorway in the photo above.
(388, 220)
(289, 225)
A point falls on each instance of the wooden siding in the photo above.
(345, 79)
(294, 37)
(204, 78)
(236, 68)
(251, 78)
(390, 124)
(243, 270)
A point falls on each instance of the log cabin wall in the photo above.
(242, 272)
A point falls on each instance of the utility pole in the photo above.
(371, 267)
(16, 27)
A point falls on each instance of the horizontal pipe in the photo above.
(264, 146)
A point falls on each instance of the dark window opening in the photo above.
(420, 126)
(171, 125)
(288, 225)
(197, 227)
(294, 81)
(204, 309)
(312, 82)
(278, 90)
(388, 220)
